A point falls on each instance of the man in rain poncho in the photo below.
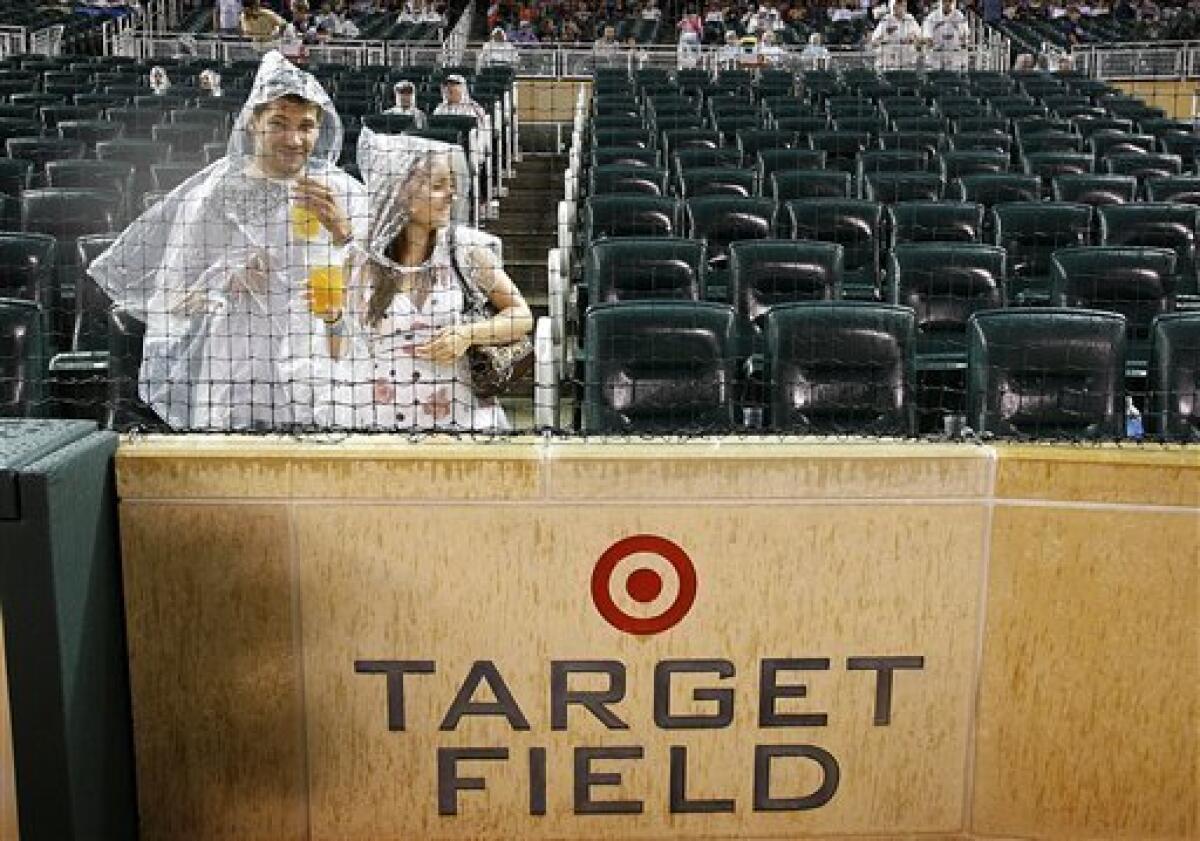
(406, 103)
(896, 36)
(238, 272)
(456, 100)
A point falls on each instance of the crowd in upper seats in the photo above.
(575, 21)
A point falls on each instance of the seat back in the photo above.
(1046, 373)
(1095, 190)
(718, 181)
(1050, 165)
(944, 284)
(92, 303)
(659, 367)
(1138, 283)
(1176, 190)
(1030, 232)
(789, 185)
(1105, 143)
(722, 220)
(1144, 165)
(958, 164)
(630, 215)
(1171, 226)
(1174, 400)
(892, 187)
(839, 368)
(935, 221)
(616, 178)
(855, 224)
(635, 269)
(22, 358)
(995, 189)
(767, 273)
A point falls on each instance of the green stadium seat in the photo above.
(615, 178)
(1046, 374)
(892, 187)
(935, 221)
(768, 273)
(638, 269)
(1184, 189)
(662, 367)
(1105, 143)
(772, 160)
(841, 148)
(981, 141)
(1095, 190)
(1030, 232)
(720, 221)
(167, 177)
(1050, 141)
(989, 189)
(758, 140)
(856, 225)
(957, 164)
(1138, 283)
(839, 368)
(789, 185)
(625, 156)
(1144, 166)
(718, 181)
(22, 359)
(1173, 410)
(929, 142)
(630, 215)
(944, 284)
(1050, 165)
(1172, 226)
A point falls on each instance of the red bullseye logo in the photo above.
(644, 584)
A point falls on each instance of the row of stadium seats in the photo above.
(882, 200)
(851, 369)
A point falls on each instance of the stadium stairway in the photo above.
(526, 225)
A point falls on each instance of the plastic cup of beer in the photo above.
(305, 224)
(327, 290)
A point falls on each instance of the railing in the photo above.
(1139, 60)
(14, 40)
(571, 60)
(144, 45)
(455, 44)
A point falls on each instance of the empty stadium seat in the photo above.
(841, 148)
(1030, 233)
(988, 189)
(931, 143)
(944, 283)
(788, 185)
(986, 141)
(1051, 141)
(722, 220)
(1171, 226)
(1173, 409)
(625, 156)
(839, 368)
(1095, 190)
(935, 221)
(630, 215)
(39, 150)
(856, 225)
(957, 164)
(166, 177)
(767, 273)
(892, 187)
(1049, 165)
(90, 331)
(22, 358)
(616, 178)
(1176, 190)
(635, 269)
(659, 367)
(1144, 165)
(1046, 373)
(772, 160)
(718, 181)
(27, 268)
(1138, 283)
(141, 153)
(1105, 143)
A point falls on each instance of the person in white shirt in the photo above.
(945, 32)
(406, 103)
(430, 14)
(409, 13)
(841, 14)
(159, 81)
(228, 14)
(651, 11)
(814, 56)
(210, 82)
(769, 51)
(896, 36)
(498, 52)
(456, 100)
(606, 50)
(731, 53)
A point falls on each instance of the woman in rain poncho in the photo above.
(220, 270)
(409, 335)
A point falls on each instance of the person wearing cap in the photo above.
(406, 103)
(456, 100)
(498, 52)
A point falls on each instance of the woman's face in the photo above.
(432, 195)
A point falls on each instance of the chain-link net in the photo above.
(910, 253)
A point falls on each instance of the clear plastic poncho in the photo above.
(386, 386)
(221, 270)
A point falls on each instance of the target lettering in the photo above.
(787, 775)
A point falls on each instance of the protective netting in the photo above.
(911, 253)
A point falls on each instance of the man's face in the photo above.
(899, 9)
(285, 133)
(404, 98)
(454, 93)
(947, 6)
(610, 33)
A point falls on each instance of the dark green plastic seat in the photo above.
(1156, 225)
(892, 187)
(856, 225)
(1095, 190)
(630, 215)
(1030, 232)
(968, 162)
(636, 268)
(22, 359)
(1138, 283)
(615, 178)
(718, 181)
(935, 221)
(1173, 410)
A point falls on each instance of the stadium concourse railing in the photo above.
(1150, 60)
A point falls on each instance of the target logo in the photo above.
(644, 584)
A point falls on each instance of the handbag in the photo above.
(494, 368)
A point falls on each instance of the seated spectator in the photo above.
(408, 13)
(843, 13)
(334, 16)
(210, 82)
(731, 54)
(160, 83)
(302, 28)
(769, 51)
(430, 14)
(523, 34)
(897, 28)
(498, 52)
(606, 47)
(814, 56)
(261, 24)
(1072, 27)
(651, 11)
(456, 101)
(406, 103)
